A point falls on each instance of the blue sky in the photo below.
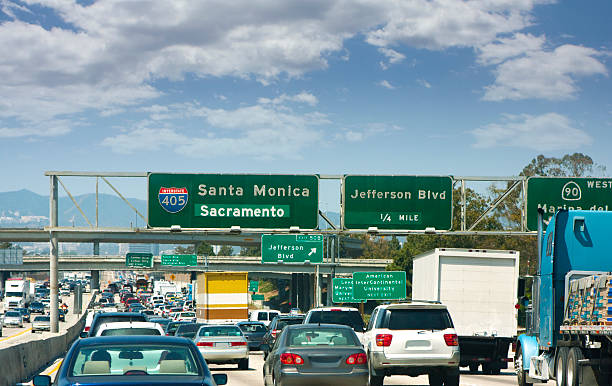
(329, 86)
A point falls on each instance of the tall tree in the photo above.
(225, 250)
(250, 251)
(203, 249)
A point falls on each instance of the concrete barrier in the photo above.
(21, 362)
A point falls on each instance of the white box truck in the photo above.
(17, 292)
(479, 287)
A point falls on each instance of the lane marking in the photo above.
(54, 369)
(15, 335)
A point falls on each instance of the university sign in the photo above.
(261, 201)
(553, 193)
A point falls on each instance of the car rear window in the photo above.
(262, 316)
(282, 323)
(130, 331)
(417, 319)
(116, 318)
(347, 318)
(321, 337)
(252, 328)
(220, 331)
(42, 319)
(13, 313)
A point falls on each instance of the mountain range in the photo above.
(26, 209)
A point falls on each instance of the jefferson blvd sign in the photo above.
(390, 285)
(554, 193)
(226, 200)
(291, 248)
(397, 202)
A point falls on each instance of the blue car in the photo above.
(133, 360)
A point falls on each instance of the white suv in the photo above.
(412, 339)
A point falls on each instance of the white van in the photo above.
(264, 316)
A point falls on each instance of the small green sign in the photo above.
(253, 286)
(554, 193)
(291, 248)
(388, 285)
(343, 290)
(180, 260)
(257, 297)
(259, 201)
(397, 202)
(141, 260)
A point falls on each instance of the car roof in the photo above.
(250, 322)
(334, 309)
(415, 304)
(112, 325)
(322, 325)
(134, 339)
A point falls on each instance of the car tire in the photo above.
(451, 378)
(435, 379)
(473, 367)
(276, 382)
(243, 364)
(573, 366)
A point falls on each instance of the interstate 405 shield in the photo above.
(224, 200)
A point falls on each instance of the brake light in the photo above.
(451, 339)
(384, 340)
(274, 332)
(87, 328)
(356, 359)
(238, 344)
(205, 344)
(291, 359)
(335, 309)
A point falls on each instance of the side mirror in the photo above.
(83, 334)
(264, 347)
(521, 287)
(220, 379)
(41, 380)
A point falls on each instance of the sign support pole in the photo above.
(53, 258)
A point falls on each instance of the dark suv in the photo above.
(108, 317)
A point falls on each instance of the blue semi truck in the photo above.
(576, 244)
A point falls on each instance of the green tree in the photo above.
(5, 245)
(225, 250)
(203, 249)
(250, 251)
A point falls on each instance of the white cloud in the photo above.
(544, 74)
(393, 57)
(302, 97)
(386, 84)
(424, 83)
(505, 48)
(544, 132)
(49, 129)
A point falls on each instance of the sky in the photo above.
(415, 87)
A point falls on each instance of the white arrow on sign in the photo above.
(312, 250)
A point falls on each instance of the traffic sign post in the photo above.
(554, 193)
(253, 286)
(389, 285)
(291, 248)
(343, 290)
(397, 202)
(226, 200)
(180, 260)
(139, 260)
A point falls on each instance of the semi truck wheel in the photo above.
(573, 367)
(561, 367)
(521, 376)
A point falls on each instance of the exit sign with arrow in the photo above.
(291, 248)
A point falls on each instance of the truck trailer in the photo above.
(17, 292)
(222, 297)
(563, 341)
(479, 288)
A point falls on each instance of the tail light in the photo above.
(87, 328)
(291, 359)
(204, 344)
(238, 344)
(451, 339)
(356, 359)
(384, 340)
(273, 333)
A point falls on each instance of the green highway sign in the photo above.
(343, 290)
(389, 285)
(554, 193)
(253, 286)
(263, 201)
(291, 248)
(257, 297)
(397, 202)
(140, 260)
(180, 260)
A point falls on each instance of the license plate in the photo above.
(222, 345)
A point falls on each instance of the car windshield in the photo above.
(317, 336)
(417, 319)
(42, 319)
(142, 359)
(251, 328)
(187, 315)
(220, 331)
(130, 331)
(347, 318)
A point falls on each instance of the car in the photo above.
(46, 302)
(254, 333)
(130, 328)
(37, 308)
(147, 313)
(412, 339)
(276, 326)
(146, 360)
(41, 323)
(12, 319)
(347, 316)
(188, 330)
(316, 354)
(1, 317)
(187, 316)
(106, 317)
(223, 343)
(161, 321)
(25, 313)
(264, 316)
(172, 326)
